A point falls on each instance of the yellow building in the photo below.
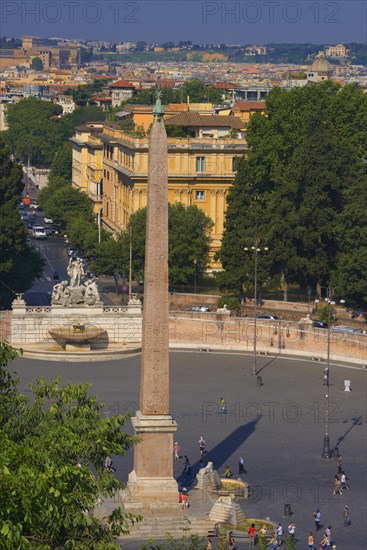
(201, 169)
(336, 51)
(87, 164)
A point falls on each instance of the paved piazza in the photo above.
(278, 429)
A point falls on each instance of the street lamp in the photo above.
(326, 451)
(255, 250)
(195, 262)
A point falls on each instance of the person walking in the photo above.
(339, 463)
(209, 545)
(317, 518)
(252, 532)
(176, 450)
(231, 541)
(280, 534)
(222, 407)
(228, 473)
(346, 516)
(187, 465)
(292, 529)
(343, 481)
(310, 541)
(202, 446)
(325, 543)
(337, 486)
(241, 466)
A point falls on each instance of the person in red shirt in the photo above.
(252, 532)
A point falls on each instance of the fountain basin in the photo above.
(79, 336)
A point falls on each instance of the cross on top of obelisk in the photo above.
(158, 109)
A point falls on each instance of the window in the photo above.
(200, 195)
(234, 163)
(200, 164)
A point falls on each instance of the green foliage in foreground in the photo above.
(52, 447)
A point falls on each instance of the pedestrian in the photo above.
(317, 518)
(252, 532)
(185, 501)
(231, 541)
(108, 464)
(263, 530)
(280, 534)
(339, 463)
(241, 466)
(187, 465)
(209, 545)
(346, 516)
(343, 481)
(337, 486)
(222, 407)
(325, 543)
(328, 532)
(176, 450)
(201, 464)
(292, 529)
(228, 473)
(273, 542)
(310, 541)
(202, 446)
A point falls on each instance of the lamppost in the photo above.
(195, 262)
(326, 451)
(255, 250)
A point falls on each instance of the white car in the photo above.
(39, 232)
(34, 206)
(48, 220)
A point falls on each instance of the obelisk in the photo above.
(151, 484)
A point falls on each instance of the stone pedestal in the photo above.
(151, 484)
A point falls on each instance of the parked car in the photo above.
(39, 232)
(200, 309)
(266, 317)
(319, 324)
(48, 220)
(34, 206)
(346, 329)
(24, 217)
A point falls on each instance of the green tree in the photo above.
(188, 236)
(297, 188)
(66, 203)
(33, 133)
(54, 444)
(20, 265)
(37, 64)
(84, 235)
(61, 165)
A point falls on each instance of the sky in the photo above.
(201, 21)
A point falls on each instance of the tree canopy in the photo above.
(52, 450)
(36, 132)
(20, 265)
(297, 190)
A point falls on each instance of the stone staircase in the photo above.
(178, 526)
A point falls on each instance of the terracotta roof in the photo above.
(224, 86)
(249, 106)
(209, 121)
(121, 84)
(101, 98)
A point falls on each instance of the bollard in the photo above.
(259, 380)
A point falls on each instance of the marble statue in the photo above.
(60, 293)
(91, 291)
(75, 271)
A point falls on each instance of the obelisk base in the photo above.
(151, 484)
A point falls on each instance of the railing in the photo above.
(115, 309)
(38, 309)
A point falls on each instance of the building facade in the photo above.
(87, 162)
(200, 172)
